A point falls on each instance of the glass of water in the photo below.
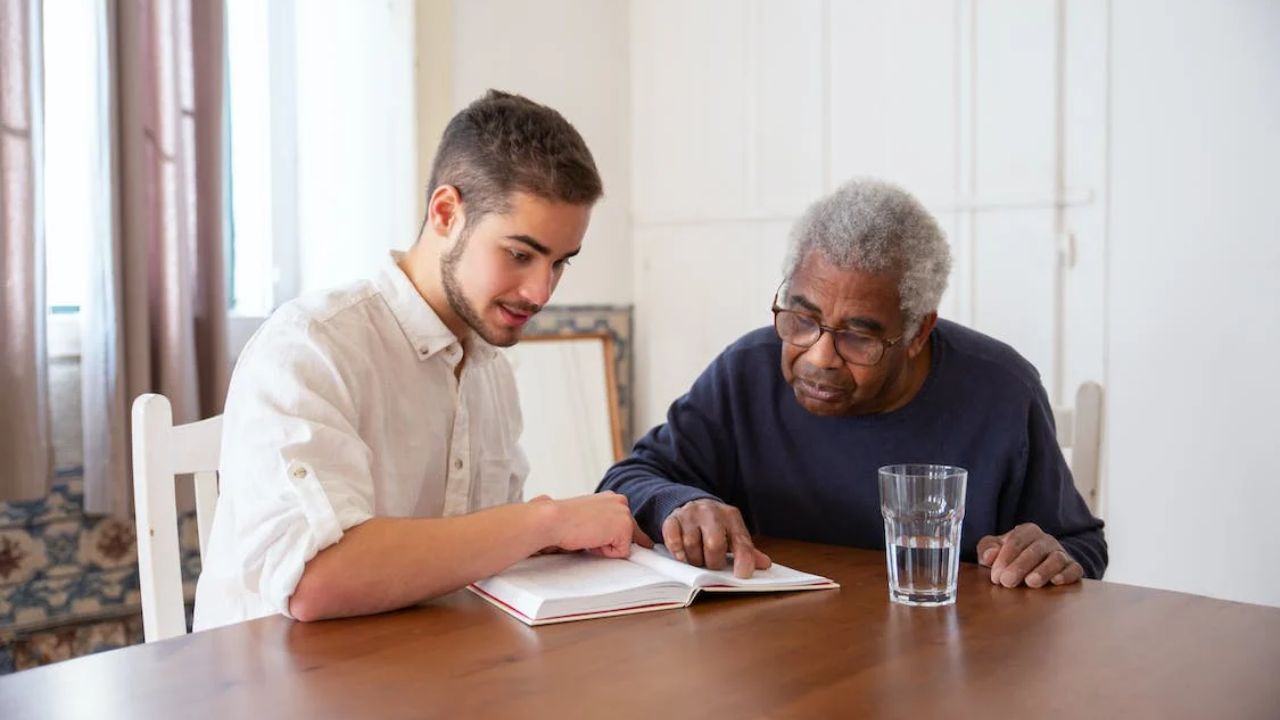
(923, 506)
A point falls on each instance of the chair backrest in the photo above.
(1080, 432)
(162, 450)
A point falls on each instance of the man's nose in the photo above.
(537, 288)
(823, 353)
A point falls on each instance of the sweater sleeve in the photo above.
(689, 457)
(1049, 497)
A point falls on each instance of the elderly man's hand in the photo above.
(1027, 554)
(702, 532)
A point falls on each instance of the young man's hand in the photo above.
(601, 523)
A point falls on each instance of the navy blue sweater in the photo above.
(740, 436)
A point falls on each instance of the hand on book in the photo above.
(702, 533)
(600, 523)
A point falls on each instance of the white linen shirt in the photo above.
(344, 406)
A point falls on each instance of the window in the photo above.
(323, 152)
(262, 174)
(76, 156)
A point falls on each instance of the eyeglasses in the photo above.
(795, 328)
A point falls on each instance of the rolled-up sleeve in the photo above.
(295, 473)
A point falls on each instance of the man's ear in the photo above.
(922, 334)
(445, 216)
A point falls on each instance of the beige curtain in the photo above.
(158, 321)
(25, 456)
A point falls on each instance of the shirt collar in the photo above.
(421, 325)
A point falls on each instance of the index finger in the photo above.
(744, 552)
(987, 545)
(1015, 541)
(1016, 572)
(673, 537)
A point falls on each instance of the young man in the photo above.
(369, 456)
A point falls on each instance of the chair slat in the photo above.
(161, 451)
(206, 501)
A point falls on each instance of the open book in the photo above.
(577, 586)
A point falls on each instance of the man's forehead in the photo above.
(843, 296)
(547, 227)
(829, 282)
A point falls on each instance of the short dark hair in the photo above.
(503, 143)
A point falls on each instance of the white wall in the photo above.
(745, 112)
(1193, 296)
(728, 141)
(571, 55)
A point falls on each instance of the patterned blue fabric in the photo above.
(60, 567)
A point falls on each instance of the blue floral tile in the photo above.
(69, 581)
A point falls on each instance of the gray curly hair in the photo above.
(877, 227)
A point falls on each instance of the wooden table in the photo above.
(1086, 651)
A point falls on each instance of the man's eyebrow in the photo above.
(864, 323)
(539, 247)
(858, 322)
(805, 303)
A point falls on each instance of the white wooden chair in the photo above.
(1080, 433)
(162, 450)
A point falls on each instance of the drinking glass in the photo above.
(923, 506)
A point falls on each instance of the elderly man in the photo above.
(782, 435)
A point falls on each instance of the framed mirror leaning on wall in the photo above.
(569, 399)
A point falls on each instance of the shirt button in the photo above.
(299, 473)
(457, 464)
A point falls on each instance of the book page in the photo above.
(578, 574)
(777, 577)
(569, 583)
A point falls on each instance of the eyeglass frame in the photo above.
(834, 332)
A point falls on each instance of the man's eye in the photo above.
(562, 264)
(858, 339)
(520, 257)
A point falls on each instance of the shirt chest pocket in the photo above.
(499, 481)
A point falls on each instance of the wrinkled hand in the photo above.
(1027, 554)
(601, 523)
(702, 532)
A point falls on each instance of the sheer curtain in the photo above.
(24, 407)
(157, 317)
